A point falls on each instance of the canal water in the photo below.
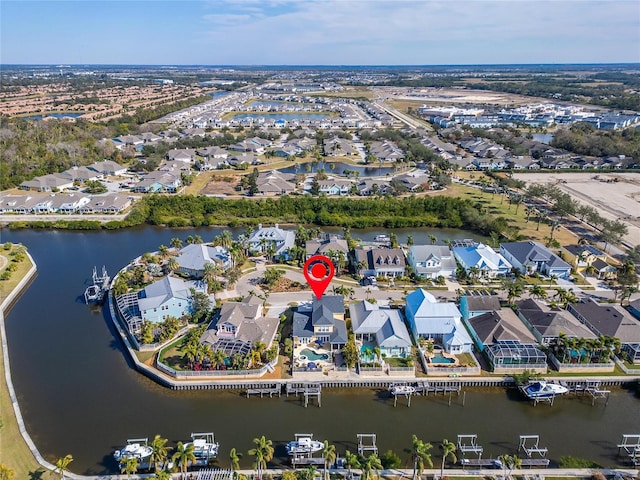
(79, 394)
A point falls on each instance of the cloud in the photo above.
(372, 31)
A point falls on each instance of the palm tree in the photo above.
(263, 452)
(176, 243)
(351, 460)
(163, 475)
(370, 465)
(62, 464)
(159, 451)
(172, 264)
(433, 239)
(164, 251)
(183, 455)
(509, 462)
(420, 455)
(329, 455)
(538, 291)
(448, 451)
(130, 466)
(234, 459)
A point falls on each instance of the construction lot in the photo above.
(615, 195)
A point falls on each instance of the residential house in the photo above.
(380, 262)
(107, 204)
(329, 245)
(48, 183)
(334, 187)
(194, 257)
(186, 155)
(324, 324)
(440, 321)
(159, 182)
(474, 305)
(108, 167)
(432, 261)
(167, 297)
(610, 320)
(583, 257)
(482, 260)
(547, 324)
(338, 147)
(275, 183)
(532, 257)
(371, 186)
(273, 240)
(380, 326)
(507, 343)
(239, 326)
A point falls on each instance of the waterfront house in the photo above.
(167, 297)
(547, 324)
(380, 262)
(380, 326)
(324, 323)
(508, 345)
(334, 187)
(482, 259)
(240, 325)
(159, 182)
(330, 245)
(194, 257)
(531, 257)
(274, 240)
(432, 261)
(609, 320)
(440, 321)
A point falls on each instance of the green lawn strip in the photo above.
(171, 355)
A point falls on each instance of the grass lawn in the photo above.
(171, 355)
(7, 286)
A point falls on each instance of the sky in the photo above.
(319, 32)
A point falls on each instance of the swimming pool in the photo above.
(312, 355)
(440, 358)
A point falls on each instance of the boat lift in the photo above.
(630, 443)
(367, 443)
(530, 445)
(468, 444)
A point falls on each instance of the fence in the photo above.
(216, 373)
(581, 367)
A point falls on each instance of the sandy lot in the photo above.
(615, 200)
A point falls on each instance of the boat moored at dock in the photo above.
(304, 444)
(540, 390)
(136, 448)
(204, 446)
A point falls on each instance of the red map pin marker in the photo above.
(318, 271)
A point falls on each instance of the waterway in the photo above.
(79, 394)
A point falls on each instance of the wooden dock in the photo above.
(271, 391)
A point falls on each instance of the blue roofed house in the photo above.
(440, 321)
(532, 257)
(432, 261)
(168, 297)
(194, 257)
(264, 238)
(324, 324)
(380, 326)
(484, 259)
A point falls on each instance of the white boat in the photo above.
(540, 389)
(135, 448)
(382, 238)
(402, 389)
(202, 448)
(304, 445)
